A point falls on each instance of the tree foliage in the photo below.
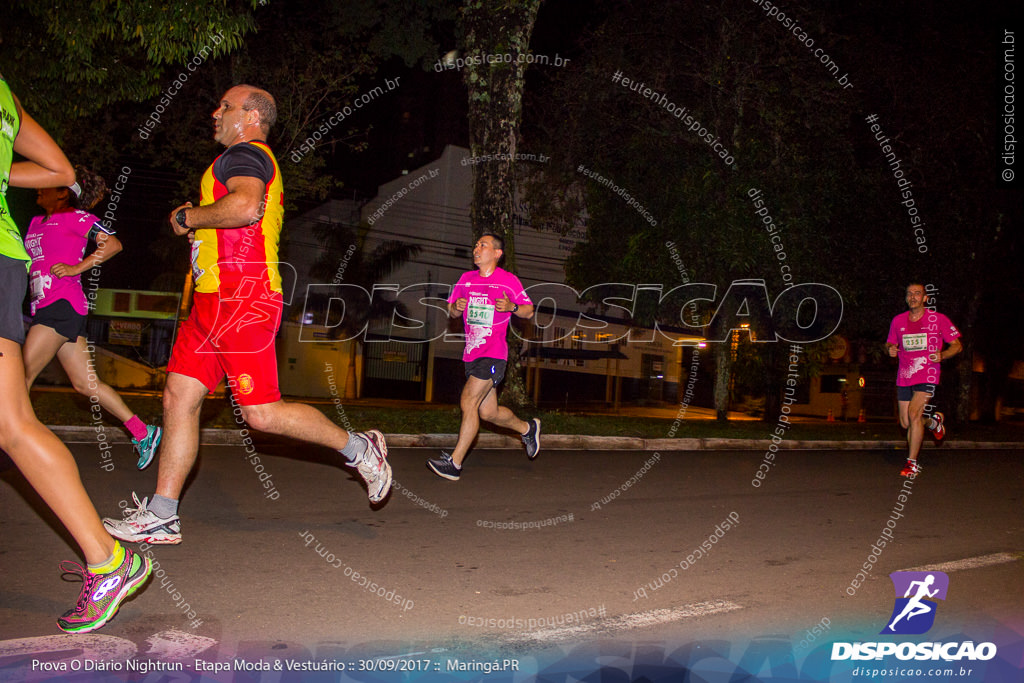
(93, 54)
(652, 111)
(140, 98)
(800, 137)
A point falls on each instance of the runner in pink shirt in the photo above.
(486, 299)
(916, 338)
(56, 242)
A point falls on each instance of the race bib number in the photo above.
(915, 342)
(37, 286)
(197, 272)
(479, 312)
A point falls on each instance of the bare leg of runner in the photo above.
(297, 421)
(46, 462)
(911, 417)
(480, 400)
(183, 399)
(41, 346)
(75, 357)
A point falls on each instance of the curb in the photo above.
(230, 437)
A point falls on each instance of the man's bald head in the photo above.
(261, 101)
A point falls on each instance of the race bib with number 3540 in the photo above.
(479, 312)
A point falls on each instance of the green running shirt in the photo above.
(10, 237)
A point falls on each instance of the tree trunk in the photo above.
(495, 28)
(723, 369)
(514, 394)
(774, 361)
(498, 29)
(351, 382)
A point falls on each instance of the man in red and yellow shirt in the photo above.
(235, 316)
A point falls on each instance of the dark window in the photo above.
(832, 384)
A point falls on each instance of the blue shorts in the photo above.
(907, 393)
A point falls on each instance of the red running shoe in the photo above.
(911, 469)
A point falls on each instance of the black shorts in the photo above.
(13, 285)
(486, 368)
(62, 317)
(907, 393)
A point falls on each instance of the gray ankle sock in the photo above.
(163, 507)
(354, 449)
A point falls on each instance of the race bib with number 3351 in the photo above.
(915, 342)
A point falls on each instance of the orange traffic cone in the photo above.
(831, 417)
(862, 417)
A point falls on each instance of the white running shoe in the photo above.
(142, 526)
(374, 467)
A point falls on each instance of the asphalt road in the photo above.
(519, 557)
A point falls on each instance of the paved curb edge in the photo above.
(230, 437)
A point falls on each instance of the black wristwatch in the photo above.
(180, 217)
(515, 308)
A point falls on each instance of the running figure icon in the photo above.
(915, 606)
(917, 594)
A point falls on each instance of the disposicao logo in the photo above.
(913, 614)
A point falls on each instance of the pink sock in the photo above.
(137, 427)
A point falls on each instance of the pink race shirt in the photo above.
(485, 325)
(61, 238)
(915, 341)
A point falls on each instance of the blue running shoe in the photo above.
(147, 446)
(445, 467)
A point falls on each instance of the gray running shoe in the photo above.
(532, 439)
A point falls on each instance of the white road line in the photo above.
(967, 563)
(177, 645)
(632, 621)
(84, 646)
(59, 654)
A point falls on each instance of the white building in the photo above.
(420, 357)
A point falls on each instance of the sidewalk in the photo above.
(488, 440)
(417, 424)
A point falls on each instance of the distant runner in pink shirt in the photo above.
(56, 243)
(486, 299)
(916, 338)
